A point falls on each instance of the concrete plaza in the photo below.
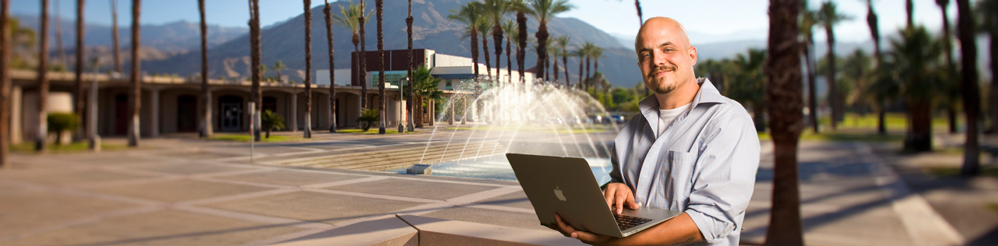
(183, 191)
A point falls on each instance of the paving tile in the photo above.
(387, 230)
(413, 188)
(165, 227)
(179, 190)
(197, 155)
(314, 206)
(516, 199)
(80, 177)
(105, 159)
(187, 168)
(290, 177)
(488, 216)
(29, 211)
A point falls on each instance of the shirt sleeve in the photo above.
(724, 178)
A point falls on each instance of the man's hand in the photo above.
(619, 195)
(585, 237)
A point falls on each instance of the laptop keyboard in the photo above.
(626, 222)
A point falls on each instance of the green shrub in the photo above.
(60, 122)
(271, 121)
(367, 118)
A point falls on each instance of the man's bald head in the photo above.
(662, 23)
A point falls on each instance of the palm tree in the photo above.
(521, 38)
(807, 22)
(485, 27)
(871, 21)
(5, 84)
(496, 10)
(597, 52)
(278, 67)
(510, 28)
(470, 14)
(43, 82)
(206, 130)
(909, 8)
(988, 12)
(135, 92)
(971, 102)
(362, 19)
(255, 53)
(409, 104)
(332, 76)
(379, 5)
(784, 92)
(554, 51)
(543, 10)
(351, 18)
(78, 83)
(750, 89)
(58, 37)
(953, 90)
(828, 16)
(425, 86)
(562, 42)
(588, 48)
(308, 69)
(271, 121)
(116, 48)
(916, 52)
(581, 54)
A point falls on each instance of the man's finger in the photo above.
(585, 236)
(609, 195)
(565, 228)
(621, 197)
(631, 202)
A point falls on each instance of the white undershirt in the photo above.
(666, 116)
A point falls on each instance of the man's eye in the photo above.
(669, 50)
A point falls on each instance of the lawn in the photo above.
(535, 128)
(371, 131)
(65, 148)
(246, 138)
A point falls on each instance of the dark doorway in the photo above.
(269, 103)
(187, 113)
(121, 114)
(230, 113)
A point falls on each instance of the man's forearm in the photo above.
(678, 230)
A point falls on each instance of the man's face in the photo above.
(665, 56)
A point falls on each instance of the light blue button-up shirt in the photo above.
(703, 164)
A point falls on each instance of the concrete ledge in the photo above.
(434, 231)
(387, 230)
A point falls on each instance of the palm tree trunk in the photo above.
(588, 75)
(474, 56)
(812, 99)
(521, 26)
(60, 51)
(5, 84)
(356, 50)
(79, 101)
(871, 21)
(419, 112)
(555, 71)
(581, 85)
(497, 38)
(948, 51)
(909, 7)
(485, 51)
(43, 82)
(409, 90)
(833, 95)
(993, 95)
(542, 49)
(564, 62)
(308, 69)
(971, 102)
(919, 137)
(783, 70)
(206, 130)
(255, 53)
(327, 11)
(637, 5)
(135, 101)
(363, 55)
(118, 67)
(509, 63)
(379, 5)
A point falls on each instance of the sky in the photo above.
(728, 20)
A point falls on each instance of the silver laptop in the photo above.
(566, 186)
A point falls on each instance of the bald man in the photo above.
(691, 149)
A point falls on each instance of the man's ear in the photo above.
(693, 55)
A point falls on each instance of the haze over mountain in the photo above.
(431, 30)
(170, 38)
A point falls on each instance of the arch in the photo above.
(230, 110)
(187, 113)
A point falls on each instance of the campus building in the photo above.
(171, 105)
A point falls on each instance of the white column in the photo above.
(294, 112)
(154, 109)
(16, 134)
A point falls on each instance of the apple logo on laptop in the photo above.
(559, 194)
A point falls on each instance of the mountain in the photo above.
(170, 38)
(431, 30)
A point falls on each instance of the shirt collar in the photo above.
(707, 94)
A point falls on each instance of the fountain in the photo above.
(477, 127)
